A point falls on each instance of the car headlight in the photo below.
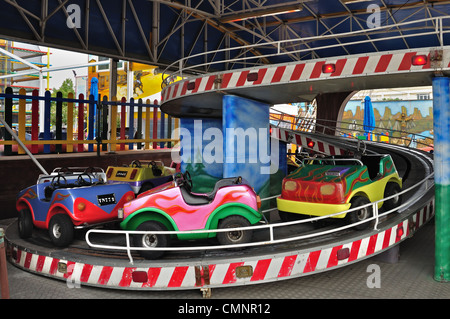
(328, 189)
(290, 186)
(120, 213)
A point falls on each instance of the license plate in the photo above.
(121, 174)
(106, 199)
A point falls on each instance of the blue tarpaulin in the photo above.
(369, 117)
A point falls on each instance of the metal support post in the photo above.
(4, 285)
(441, 126)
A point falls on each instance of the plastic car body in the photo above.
(326, 186)
(174, 207)
(140, 175)
(75, 198)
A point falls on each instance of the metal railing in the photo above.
(424, 185)
(321, 126)
(433, 26)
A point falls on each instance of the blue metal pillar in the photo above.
(441, 123)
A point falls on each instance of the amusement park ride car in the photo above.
(68, 199)
(327, 186)
(172, 206)
(140, 175)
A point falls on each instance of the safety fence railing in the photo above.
(415, 193)
(351, 130)
(419, 28)
(91, 124)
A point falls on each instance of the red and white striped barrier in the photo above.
(308, 142)
(247, 270)
(350, 66)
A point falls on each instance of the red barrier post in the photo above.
(81, 123)
(123, 122)
(4, 285)
(155, 124)
(35, 122)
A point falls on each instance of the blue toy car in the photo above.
(68, 199)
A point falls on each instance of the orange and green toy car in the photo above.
(327, 186)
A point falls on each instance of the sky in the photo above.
(64, 58)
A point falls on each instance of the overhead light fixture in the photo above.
(268, 11)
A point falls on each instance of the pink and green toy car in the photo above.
(173, 207)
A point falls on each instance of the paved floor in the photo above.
(410, 278)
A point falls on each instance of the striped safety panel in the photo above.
(221, 274)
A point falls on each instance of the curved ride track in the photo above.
(204, 269)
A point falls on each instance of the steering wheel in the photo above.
(56, 181)
(81, 181)
(135, 163)
(188, 179)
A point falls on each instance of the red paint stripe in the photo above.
(242, 78)
(184, 89)
(372, 243)
(387, 238)
(287, 266)
(406, 61)
(18, 256)
(311, 263)
(27, 262)
(360, 65)
(354, 251)
(40, 263)
(169, 89)
(339, 67)
(332, 150)
(333, 260)
(175, 90)
(105, 275)
(230, 276)
(261, 269)
(317, 70)
(152, 275)
(178, 276)
(278, 74)
(210, 83)
(198, 82)
(297, 73)
(321, 147)
(86, 273)
(127, 277)
(261, 74)
(70, 268)
(298, 138)
(226, 80)
(54, 266)
(383, 63)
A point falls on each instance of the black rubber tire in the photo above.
(60, 230)
(151, 240)
(390, 190)
(234, 237)
(361, 214)
(25, 223)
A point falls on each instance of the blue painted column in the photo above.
(201, 145)
(247, 147)
(441, 127)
